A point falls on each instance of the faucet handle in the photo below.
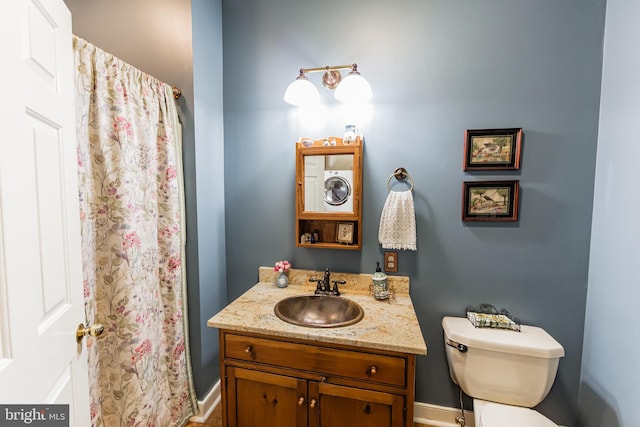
(335, 291)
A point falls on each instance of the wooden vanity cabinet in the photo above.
(273, 381)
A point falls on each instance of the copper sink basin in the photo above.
(319, 311)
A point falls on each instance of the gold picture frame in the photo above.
(344, 232)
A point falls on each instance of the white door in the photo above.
(41, 292)
(313, 183)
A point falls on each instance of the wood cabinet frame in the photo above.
(327, 222)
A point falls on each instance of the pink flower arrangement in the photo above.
(282, 266)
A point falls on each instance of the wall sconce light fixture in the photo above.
(352, 89)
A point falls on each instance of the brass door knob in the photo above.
(248, 349)
(301, 401)
(312, 403)
(373, 370)
(93, 330)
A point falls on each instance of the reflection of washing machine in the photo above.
(337, 190)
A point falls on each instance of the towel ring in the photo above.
(400, 174)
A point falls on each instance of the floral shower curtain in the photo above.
(131, 200)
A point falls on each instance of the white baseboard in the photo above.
(206, 406)
(439, 416)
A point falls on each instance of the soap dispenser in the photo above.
(380, 287)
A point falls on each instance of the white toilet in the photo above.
(505, 372)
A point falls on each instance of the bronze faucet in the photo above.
(324, 285)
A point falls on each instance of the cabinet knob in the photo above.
(373, 369)
(312, 404)
(248, 349)
(301, 401)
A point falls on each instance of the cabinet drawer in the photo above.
(359, 365)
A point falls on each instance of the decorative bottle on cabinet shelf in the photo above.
(350, 134)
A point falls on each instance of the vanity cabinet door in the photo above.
(260, 399)
(339, 406)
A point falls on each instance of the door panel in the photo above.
(258, 399)
(340, 406)
(41, 295)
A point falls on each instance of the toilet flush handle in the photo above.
(460, 347)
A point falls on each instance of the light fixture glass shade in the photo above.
(301, 92)
(354, 89)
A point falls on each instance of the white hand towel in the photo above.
(398, 222)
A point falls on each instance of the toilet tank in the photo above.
(499, 365)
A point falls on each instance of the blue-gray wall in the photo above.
(156, 37)
(437, 67)
(610, 366)
(211, 294)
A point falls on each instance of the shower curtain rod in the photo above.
(176, 92)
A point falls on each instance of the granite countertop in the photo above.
(385, 326)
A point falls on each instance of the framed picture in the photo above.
(492, 149)
(490, 200)
(344, 232)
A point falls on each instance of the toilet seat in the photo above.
(499, 415)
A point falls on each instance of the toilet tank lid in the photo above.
(530, 341)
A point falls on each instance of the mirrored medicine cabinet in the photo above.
(329, 193)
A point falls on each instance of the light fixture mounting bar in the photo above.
(328, 67)
(354, 88)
